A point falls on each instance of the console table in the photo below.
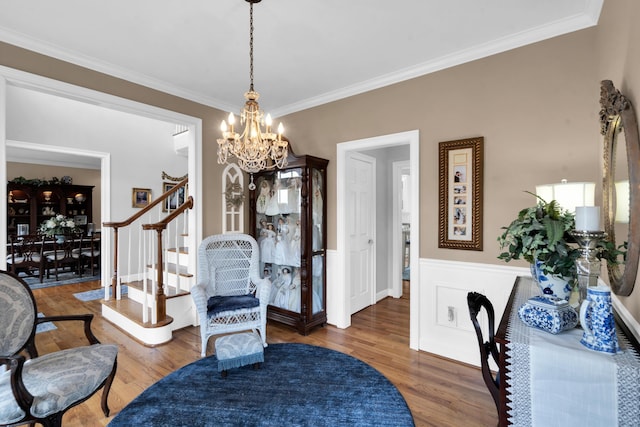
(554, 380)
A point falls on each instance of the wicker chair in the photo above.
(230, 295)
(43, 388)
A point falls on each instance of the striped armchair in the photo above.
(43, 388)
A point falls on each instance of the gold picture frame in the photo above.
(460, 194)
(140, 197)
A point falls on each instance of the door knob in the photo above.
(370, 241)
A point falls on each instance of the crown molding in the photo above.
(589, 17)
(44, 48)
(553, 29)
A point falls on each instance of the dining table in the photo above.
(49, 244)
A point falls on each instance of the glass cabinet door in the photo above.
(279, 235)
(317, 241)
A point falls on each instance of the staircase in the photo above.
(152, 260)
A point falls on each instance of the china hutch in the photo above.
(28, 205)
(288, 219)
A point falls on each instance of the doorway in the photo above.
(344, 291)
(15, 78)
(401, 228)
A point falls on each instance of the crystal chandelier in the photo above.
(254, 149)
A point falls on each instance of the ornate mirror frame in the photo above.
(617, 113)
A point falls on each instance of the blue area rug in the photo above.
(298, 385)
(66, 278)
(406, 273)
(95, 294)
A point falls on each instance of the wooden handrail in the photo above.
(161, 225)
(147, 208)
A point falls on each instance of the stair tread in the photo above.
(181, 270)
(171, 291)
(181, 249)
(132, 310)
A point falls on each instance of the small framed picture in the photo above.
(175, 199)
(460, 194)
(80, 219)
(140, 197)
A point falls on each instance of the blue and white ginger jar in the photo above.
(556, 286)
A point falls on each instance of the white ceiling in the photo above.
(306, 52)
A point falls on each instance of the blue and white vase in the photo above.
(557, 286)
(598, 323)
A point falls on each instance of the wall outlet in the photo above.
(451, 315)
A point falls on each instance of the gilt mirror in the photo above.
(620, 182)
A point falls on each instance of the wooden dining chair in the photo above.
(25, 255)
(90, 252)
(488, 348)
(64, 254)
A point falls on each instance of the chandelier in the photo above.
(255, 149)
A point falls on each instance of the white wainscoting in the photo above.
(445, 284)
(445, 327)
(334, 305)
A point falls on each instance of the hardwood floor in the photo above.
(439, 392)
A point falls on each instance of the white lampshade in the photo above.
(568, 194)
(622, 201)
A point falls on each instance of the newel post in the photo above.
(161, 298)
(114, 278)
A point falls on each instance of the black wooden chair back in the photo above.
(65, 253)
(90, 252)
(25, 255)
(488, 348)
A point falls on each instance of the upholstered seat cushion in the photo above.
(218, 304)
(53, 255)
(20, 259)
(236, 350)
(58, 380)
(86, 252)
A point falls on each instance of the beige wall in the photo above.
(80, 176)
(536, 106)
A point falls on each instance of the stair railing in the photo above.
(158, 288)
(144, 250)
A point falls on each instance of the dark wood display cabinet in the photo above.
(288, 219)
(29, 205)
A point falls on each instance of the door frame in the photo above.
(11, 76)
(396, 228)
(411, 138)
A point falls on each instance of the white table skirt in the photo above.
(556, 381)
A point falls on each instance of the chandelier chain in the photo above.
(251, 46)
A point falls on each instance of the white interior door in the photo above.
(361, 230)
